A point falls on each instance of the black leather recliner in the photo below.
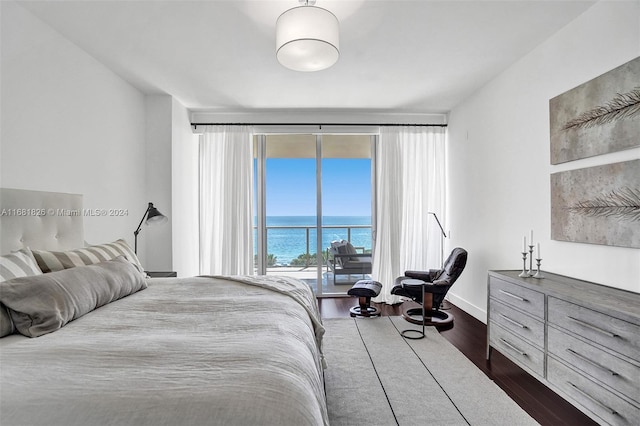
(429, 288)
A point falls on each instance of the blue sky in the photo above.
(346, 187)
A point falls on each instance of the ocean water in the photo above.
(287, 235)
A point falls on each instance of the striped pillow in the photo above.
(18, 264)
(15, 265)
(51, 261)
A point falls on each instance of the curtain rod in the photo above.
(318, 124)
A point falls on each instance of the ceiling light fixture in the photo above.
(307, 38)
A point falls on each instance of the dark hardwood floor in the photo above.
(469, 336)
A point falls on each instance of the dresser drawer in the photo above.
(610, 370)
(599, 401)
(518, 323)
(604, 330)
(518, 350)
(519, 297)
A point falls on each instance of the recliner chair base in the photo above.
(364, 311)
(432, 317)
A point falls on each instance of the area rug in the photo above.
(376, 377)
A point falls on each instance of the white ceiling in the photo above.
(402, 56)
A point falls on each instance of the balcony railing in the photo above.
(308, 233)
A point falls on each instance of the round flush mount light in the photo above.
(307, 38)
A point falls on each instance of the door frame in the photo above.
(260, 183)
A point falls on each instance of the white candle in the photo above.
(532, 237)
(524, 246)
(539, 251)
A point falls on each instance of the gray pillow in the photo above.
(45, 303)
(6, 324)
(348, 248)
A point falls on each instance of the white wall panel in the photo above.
(499, 158)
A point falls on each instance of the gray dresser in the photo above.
(579, 338)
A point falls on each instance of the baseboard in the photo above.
(476, 312)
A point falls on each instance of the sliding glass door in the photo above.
(346, 208)
(312, 190)
(286, 236)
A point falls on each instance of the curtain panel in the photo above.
(226, 200)
(410, 183)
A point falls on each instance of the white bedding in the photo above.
(196, 351)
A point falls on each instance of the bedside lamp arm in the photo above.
(137, 231)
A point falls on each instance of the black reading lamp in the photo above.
(442, 237)
(154, 217)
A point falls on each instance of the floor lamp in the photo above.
(442, 237)
(154, 217)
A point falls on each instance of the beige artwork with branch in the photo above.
(597, 117)
(597, 205)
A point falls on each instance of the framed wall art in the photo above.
(597, 117)
(598, 205)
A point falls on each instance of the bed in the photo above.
(162, 351)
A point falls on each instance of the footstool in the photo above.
(365, 290)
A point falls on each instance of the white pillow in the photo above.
(15, 265)
(18, 264)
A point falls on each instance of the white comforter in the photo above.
(196, 351)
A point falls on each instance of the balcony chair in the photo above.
(343, 259)
(428, 288)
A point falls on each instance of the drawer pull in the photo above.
(512, 347)
(513, 321)
(592, 362)
(593, 327)
(515, 296)
(586, 395)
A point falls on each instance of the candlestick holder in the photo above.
(524, 272)
(538, 274)
(531, 260)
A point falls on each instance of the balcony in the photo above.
(292, 249)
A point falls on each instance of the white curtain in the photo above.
(226, 200)
(410, 183)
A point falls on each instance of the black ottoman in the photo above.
(365, 290)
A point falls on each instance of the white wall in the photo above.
(157, 240)
(499, 158)
(69, 124)
(184, 157)
(172, 185)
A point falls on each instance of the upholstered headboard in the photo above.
(40, 220)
